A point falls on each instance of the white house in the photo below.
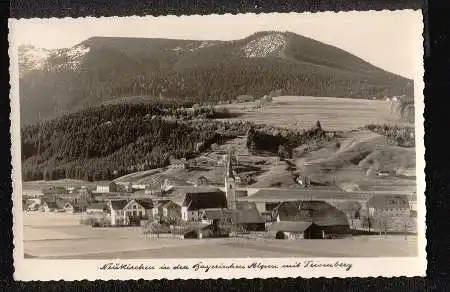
(389, 205)
(122, 211)
(106, 187)
(49, 206)
(68, 208)
(197, 199)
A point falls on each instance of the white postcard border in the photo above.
(46, 269)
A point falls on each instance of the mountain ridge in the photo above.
(104, 68)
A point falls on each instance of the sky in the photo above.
(387, 39)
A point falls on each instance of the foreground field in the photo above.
(60, 236)
(339, 114)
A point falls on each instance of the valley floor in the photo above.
(60, 236)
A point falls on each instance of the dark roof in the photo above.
(195, 190)
(146, 203)
(318, 212)
(205, 200)
(290, 226)
(213, 214)
(161, 203)
(118, 204)
(389, 201)
(282, 195)
(51, 204)
(104, 183)
(170, 204)
(247, 215)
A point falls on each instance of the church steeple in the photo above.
(229, 170)
(229, 183)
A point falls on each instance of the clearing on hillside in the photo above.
(338, 114)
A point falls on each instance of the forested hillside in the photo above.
(100, 70)
(109, 141)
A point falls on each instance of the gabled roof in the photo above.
(118, 204)
(205, 200)
(146, 203)
(249, 216)
(290, 226)
(318, 212)
(170, 204)
(238, 216)
(183, 190)
(299, 194)
(51, 204)
(389, 201)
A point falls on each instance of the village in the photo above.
(234, 209)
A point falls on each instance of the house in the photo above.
(126, 212)
(245, 217)
(200, 231)
(49, 206)
(178, 163)
(125, 187)
(303, 181)
(95, 207)
(153, 191)
(389, 205)
(171, 210)
(324, 217)
(290, 230)
(106, 187)
(202, 180)
(384, 172)
(68, 207)
(196, 199)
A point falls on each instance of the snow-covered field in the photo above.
(46, 237)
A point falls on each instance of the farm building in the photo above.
(178, 163)
(125, 212)
(245, 216)
(49, 206)
(106, 187)
(200, 230)
(125, 187)
(389, 205)
(167, 209)
(196, 199)
(321, 215)
(266, 199)
(294, 230)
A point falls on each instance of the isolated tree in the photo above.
(282, 152)
(318, 125)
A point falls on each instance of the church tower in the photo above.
(230, 183)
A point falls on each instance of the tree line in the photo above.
(281, 141)
(105, 142)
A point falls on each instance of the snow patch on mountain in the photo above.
(31, 58)
(265, 46)
(71, 58)
(194, 46)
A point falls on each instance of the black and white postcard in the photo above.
(218, 146)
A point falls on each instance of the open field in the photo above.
(338, 114)
(59, 236)
(36, 185)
